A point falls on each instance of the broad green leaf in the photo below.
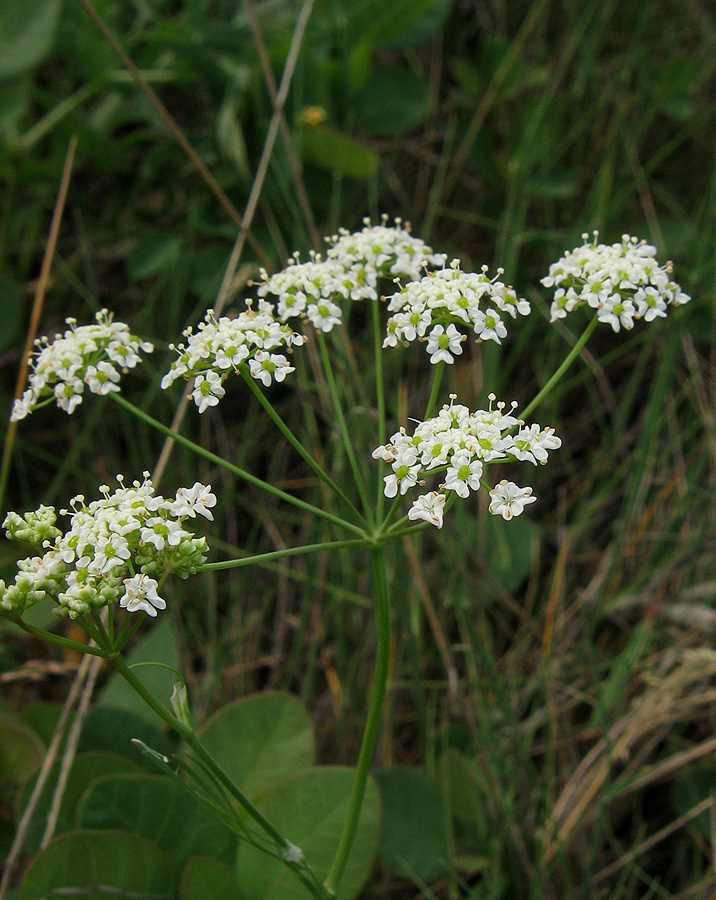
(27, 30)
(311, 808)
(205, 878)
(393, 101)
(80, 860)
(159, 646)
(508, 551)
(464, 795)
(326, 148)
(110, 729)
(384, 24)
(413, 843)
(159, 808)
(43, 718)
(154, 254)
(259, 740)
(85, 768)
(21, 752)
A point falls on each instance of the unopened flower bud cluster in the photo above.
(622, 281)
(351, 270)
(219, 346)
(459, 443)
(432, 308)
(92, 356)
(119, 548)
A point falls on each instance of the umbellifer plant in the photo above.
(105, 567)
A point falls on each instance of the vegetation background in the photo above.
(559, 674)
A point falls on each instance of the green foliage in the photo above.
(159, 808)
(312, 806)
(205, 878)
(413, 843)
(85, 770)
(90, 859)
(260, 740)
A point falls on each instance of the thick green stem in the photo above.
(375, 710)
(290, 855)
(281, 554)
(57, 639)
(380, 397)
(294, 441)
(569, 359)
(332, 387)
(235, 470)
(437, 378)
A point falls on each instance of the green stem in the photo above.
(235, 470)
(569, 359)
(360, 484)
(294, 442)
(375, 709)
(286, 850)
(58, 640)
(280, 554)
(434, 392)
(380, 397)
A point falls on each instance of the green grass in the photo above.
(570, 663)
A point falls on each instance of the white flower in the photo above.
(463, 473)
(82, 355)
(622, 281)
(324, 315)
(444, 345)
(448, 298)
(193, 500)
(463, 443)
(140, 593)
(429, 508)
(508, 499)
(220, 346)
(267, 366)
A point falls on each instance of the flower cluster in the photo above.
(459, 443)
(91, 355)
(119, 548)
(351, 270)
(432, 308)
(381, 251)
(219, 346)
(622, 281)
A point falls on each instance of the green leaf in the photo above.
(311, 808)
(156, 253)
(27, 30)
(414, 843)
(326, 148)
(208, 879)
(508, 551)
(21, 752)
(464, 794)
(393, 101)
(111, 729)
(259, 740)
(114, 859)
(85, 769)
(159, 646)
(43, 718)
(162, 810)
(390, 24)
